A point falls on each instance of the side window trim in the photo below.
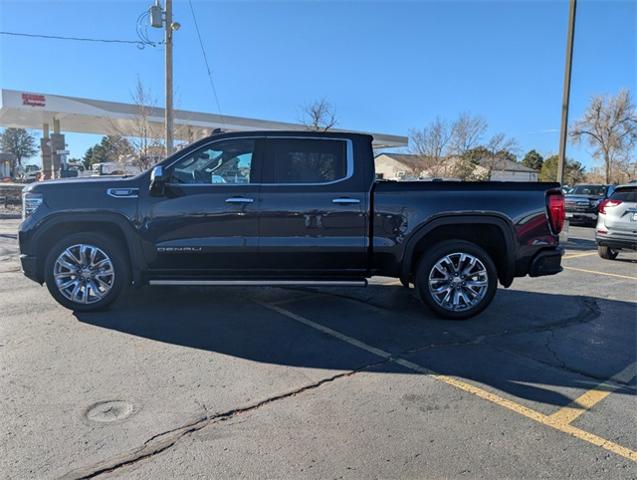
(349, 158)
(259, 162)
(256, 164)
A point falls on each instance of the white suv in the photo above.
(617, 222)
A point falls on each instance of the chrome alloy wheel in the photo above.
(458, 282)
(84, 273)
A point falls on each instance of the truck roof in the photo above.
(294, 133)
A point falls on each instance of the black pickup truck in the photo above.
(286, 208)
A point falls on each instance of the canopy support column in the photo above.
(57, 146)
(45, 148)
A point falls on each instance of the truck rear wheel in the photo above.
(456, 279)
(86, 271)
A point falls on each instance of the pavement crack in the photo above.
(598, 379)
(547, 344)
(163, 441)
(588, 312)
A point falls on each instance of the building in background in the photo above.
(398, 166)
(505, 170)
(402, 166)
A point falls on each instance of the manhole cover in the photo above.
(109, 411)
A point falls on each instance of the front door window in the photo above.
(224, 162)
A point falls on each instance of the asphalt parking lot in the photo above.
(343, 383)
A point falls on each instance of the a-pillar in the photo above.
(45, 147)
(57, 145)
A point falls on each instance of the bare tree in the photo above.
(456, 149)
(467, 133)
(319, 116)
(430, 145)
(498, 148)
(501, 144)
(610, 126)
(145, 137)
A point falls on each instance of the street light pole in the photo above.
(566, 90)
(169, 76)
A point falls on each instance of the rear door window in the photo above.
(305, 161)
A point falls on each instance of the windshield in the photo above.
(597, 190)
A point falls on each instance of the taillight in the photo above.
(604, 204)
(557, 212)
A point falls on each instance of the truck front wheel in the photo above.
(456, 279)
(86, 271)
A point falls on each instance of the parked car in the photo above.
(617, 222)
(582, 202)
(68, 173)
(32, 176)
(294, 208)
(113, 168)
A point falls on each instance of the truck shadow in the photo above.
(531, 345)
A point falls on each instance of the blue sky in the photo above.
(385, 66)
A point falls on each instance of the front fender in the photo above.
(34, 238)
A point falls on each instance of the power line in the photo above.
(205, 58)
(142, 29)
(140, 43)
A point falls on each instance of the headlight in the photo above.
(30, 203)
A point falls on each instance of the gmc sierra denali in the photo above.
(286, 208)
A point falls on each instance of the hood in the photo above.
(84, 182)
(574, 198)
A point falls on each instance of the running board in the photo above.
(261, 283)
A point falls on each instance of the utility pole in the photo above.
(164, 18)
(169, 76)
(566, 91)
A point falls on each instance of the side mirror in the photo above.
(157, 181)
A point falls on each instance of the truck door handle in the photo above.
(239, 200)
(345, 200)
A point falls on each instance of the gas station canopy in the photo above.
(83, 115)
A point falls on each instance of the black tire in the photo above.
(452, 247)
(607, 253)
(111, 248)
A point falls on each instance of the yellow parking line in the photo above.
(467, 387)
(576, 255)
(580, 405)
(600, 273)
(589, 399)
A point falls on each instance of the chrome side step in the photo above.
(269, 283)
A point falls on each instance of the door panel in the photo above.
(207, 220)
(195, 228)
(313, 218)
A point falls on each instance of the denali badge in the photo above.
(178, 249)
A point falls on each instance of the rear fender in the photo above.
(502, 223)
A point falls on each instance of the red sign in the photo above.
(33, 100)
